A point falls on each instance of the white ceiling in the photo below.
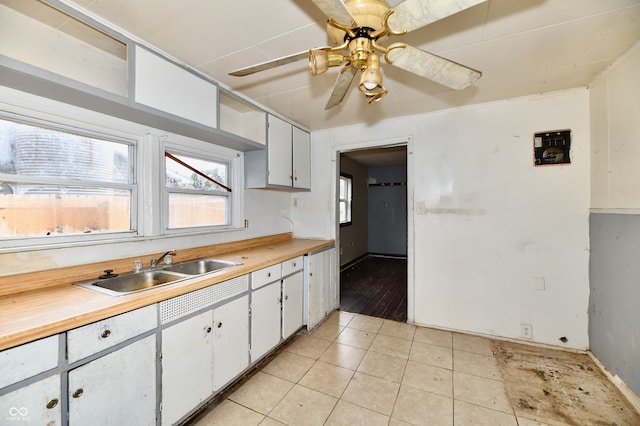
(522, 47)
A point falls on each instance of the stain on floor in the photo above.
(560, 388)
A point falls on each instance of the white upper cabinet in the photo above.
(279, 153)
(165, 86)
(285, 164)
(301, 159)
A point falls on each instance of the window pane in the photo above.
(191, 210)
(343, 188)
(40, 210)
(27, 150)
(343, 212)
(179, 176)
(57, 182)
(345, 199)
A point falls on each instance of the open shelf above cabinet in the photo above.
(42, 36)
(242, 118)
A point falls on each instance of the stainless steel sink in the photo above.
(132, 282)
(200, 266)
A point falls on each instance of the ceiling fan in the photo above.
(359, 26)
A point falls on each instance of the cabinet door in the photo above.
(187, 366)
(22, 362)
(116, 389)
(301, 159)
(265, 319)
(292, 304)
(322, 290)
(37, 404)
(279, 158)
(230, 341)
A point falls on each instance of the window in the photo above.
(344, 199)
(197, 191)
(60, 182)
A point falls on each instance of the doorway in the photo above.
(373, 232)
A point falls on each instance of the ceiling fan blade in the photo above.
(341, 87)
(436, 68)
(413, 14)
(270, 64)
(335, 9)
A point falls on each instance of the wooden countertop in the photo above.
(31, 315)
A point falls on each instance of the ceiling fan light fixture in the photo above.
(371, 80)
(320, 60)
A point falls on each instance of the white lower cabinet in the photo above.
(292, 301)
(38, 403)
(116, 389)
(202, 354)
(265, 319)
(230, 341)
(321, 286)
(187, 366)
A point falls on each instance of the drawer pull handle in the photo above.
(268, 274)
(220, 324)
(52, 403)
(105, 334)
(208, 329)
(78, 393)
(295, 264)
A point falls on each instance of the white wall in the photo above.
(614, 335)
(615, 135)
(485, 220)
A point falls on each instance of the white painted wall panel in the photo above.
(615, 108)
(165, 86)
(486, 220)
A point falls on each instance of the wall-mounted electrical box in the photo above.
(552, 147)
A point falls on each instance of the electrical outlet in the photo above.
(526, 331)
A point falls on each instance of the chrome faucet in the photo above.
(155, 261)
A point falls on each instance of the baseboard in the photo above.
(366, 255)
(388, 256)
(628, 393)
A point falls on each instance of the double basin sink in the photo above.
(133, 282)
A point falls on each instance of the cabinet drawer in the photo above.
(266, 276)
(292, 265)
(27, 360)
(93, 338)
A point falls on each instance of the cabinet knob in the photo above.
(208, 329)
(286, 297)
(220, 324)
(78, 393)
(52, 403)
(105, 334)
(295, 264)
(268, 274)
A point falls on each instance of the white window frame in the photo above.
(348, 201)
(176, 144)
(82, 129)
(147, 216)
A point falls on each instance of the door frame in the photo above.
(383, 143)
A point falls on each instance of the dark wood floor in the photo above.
(375, 286)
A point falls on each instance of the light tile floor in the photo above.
(359, 370)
